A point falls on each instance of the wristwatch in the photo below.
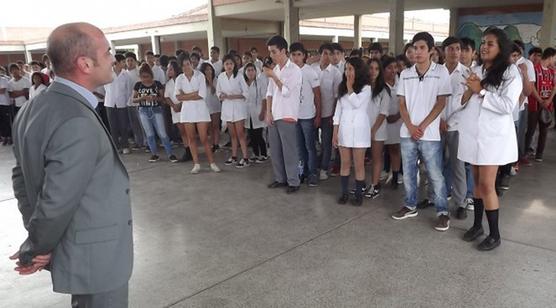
(482, 93)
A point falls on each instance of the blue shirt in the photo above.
(88, 95)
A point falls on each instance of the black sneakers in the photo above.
(404, 213)
(154, 158)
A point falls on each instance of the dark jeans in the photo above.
(257, 141)
(119, 126)
(327, 128)
(306, 146)
(533, 121)
(6, 119)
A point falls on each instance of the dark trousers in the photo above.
(533, 121)
(112, 299)
(6, 119)
(257, 141)
(327, 129)
(119, 126)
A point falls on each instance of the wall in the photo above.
(521, 22)
(7, 59)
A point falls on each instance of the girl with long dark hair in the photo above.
(487, 134)
(352, 126)
(213, 103)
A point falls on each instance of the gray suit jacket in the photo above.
(73, 192)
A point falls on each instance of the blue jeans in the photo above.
(326, 142)
(306, 146)
(152, 119)
(431, 153)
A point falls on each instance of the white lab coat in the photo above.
(380, 105)
(486, 126)
(233, 110)
(256, 92)
(352, 118)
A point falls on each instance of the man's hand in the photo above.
(317, 122)
(39, 263)
(415, 131)
(443, 126)
(269, 119)
(335, 140)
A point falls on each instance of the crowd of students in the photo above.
(460, 119)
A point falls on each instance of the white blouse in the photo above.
(352, 118)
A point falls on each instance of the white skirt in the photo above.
(381, 133)
(194, 112)
(233, 110)
(393, 132)
(176, 117)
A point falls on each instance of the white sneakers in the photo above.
(196, 169)
(126, 151)
(323, 175)
(214, 167)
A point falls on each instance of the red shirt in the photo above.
(544, 85)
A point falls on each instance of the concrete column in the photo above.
(214, 30)
(291, 22)
(28, 55)
(155, 44)
(453, 22)
(357, 31)
(396, 26)
(335, 39)
(112, 47)
(548, 28)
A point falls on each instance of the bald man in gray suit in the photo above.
(71, 186)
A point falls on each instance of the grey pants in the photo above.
(119, 126)
(112, 299)
(457, 168)
(283, 152)
(136, 127)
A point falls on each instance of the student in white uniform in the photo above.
(329, 79)
(454, 169)
(18, 87)
(195, 59)
(5, 109)
(191, 91)
(134, 120)
(215, 60)
(213, 103)
(487, 135)
(256, 111)
(117, 96)
(232, 91)
(378, 111)
(394, 120)
(352, 126)
(423, 90)
(39, 84)
(255, 55)
(339, 57)
(309, 115)
(159, 74)
(172, 72)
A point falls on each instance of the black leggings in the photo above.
(257, 141)
(6, 119)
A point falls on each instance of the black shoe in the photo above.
(173, 158)
(504, 182)
(187, 156)
(343, 199)
(425, 204)
(154, 158)
(358, 201)
(489, 244)
(472, 234)
(292, 189)
(461, 213)
(276, 185)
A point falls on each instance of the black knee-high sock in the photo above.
(479, 208)
(344, 179)
(359, 185)
(395, 175)
(492, 217)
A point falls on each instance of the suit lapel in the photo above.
(65, 90)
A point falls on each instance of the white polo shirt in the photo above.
(118, 92)
(4, 98)
(307, 110)
(531, 74)
(133, 79)
(159, 74)
(217, 67)
(18, 85)
(453, 103)
(420, 95)
(330, 79)
(285, 102)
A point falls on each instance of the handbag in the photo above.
(545, 116)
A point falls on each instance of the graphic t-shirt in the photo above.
(152, 90)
